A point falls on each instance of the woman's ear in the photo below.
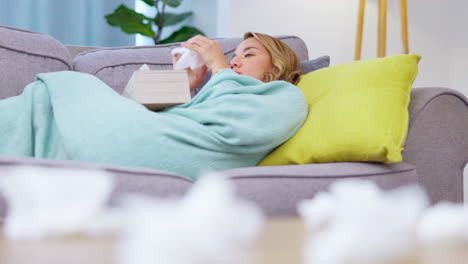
(272, 75)
(268, 77)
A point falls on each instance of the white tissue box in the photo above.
(158, 89)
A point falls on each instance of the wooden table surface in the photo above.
(280, 242)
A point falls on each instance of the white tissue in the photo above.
(444, 223)
(44, 201)
(188, 59)
(356, 222)
(443, 234)
(208, 225)
(144, 67)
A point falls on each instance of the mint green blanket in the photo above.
(234, 121)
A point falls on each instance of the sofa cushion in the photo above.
(115, 65)
(149, 182)
(23, 54)
(278, 189)
(315, 64)
(358, 111)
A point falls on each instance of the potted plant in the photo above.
(131, 21)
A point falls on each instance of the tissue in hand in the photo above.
(188, 59)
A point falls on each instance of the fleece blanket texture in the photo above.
(234, 121)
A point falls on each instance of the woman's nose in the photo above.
(235, 62)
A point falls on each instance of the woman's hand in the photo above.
(196, 76)
(210, 52)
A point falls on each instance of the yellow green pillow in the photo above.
(358, 111)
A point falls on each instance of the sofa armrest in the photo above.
(437, 141)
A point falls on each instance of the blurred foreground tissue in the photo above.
(357, 223)
(445, 223)
(443, 234)
(208, 225)
(49, 201)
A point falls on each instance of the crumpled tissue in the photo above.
(208, 225)
(357, 222)
(443, 234)
(53, 201)
(188, 59)
(445, 223)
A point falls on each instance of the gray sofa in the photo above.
(435, 153)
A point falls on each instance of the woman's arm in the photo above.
(196, 77)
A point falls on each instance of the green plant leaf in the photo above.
(173, 3)
(149, 2)
(171, 19)
(182, 34)
(130, 21)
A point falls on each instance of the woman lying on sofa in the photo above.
(247, 108)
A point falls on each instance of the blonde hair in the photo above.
(286, 63)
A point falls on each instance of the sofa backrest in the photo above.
(23, 54)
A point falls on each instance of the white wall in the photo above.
(460, 40)
(437, 30)
(204, 15)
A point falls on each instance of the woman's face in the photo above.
(252, 59)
